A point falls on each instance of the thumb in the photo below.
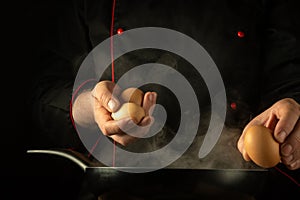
(106, 93)
(112, 105)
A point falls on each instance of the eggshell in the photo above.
(132, 110)
(261, 146)
(133, 95)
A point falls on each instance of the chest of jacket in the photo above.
(230, 32)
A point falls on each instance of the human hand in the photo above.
(105, 94)
(283, 118)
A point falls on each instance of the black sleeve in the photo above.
(63, 45)
(281, 57)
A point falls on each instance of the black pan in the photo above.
(166, 183)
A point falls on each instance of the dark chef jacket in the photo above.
(254, 44)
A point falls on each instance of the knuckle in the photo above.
(122, 141)
(105, 130)
(104, 99)
(125, 143)
(297, 139)
(288, 103)
(289, 125)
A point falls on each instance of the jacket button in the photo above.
(241, 34)
(120, 31)
(233, 105)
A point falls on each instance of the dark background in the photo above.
(26, 177)
(22, 176)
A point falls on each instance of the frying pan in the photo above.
(166, 183)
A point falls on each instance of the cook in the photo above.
(255, 46)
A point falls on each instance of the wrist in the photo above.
(83, 110)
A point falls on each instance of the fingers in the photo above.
(290, 149)
(287, 112)
(117, 128)
(106, 93)
(114, 127)
(141, 130)
(149, 102)
(123, 131)
(107, 125)
(125, 138)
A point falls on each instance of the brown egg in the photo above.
(261, 146)
(133, 95)
(132, 110)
